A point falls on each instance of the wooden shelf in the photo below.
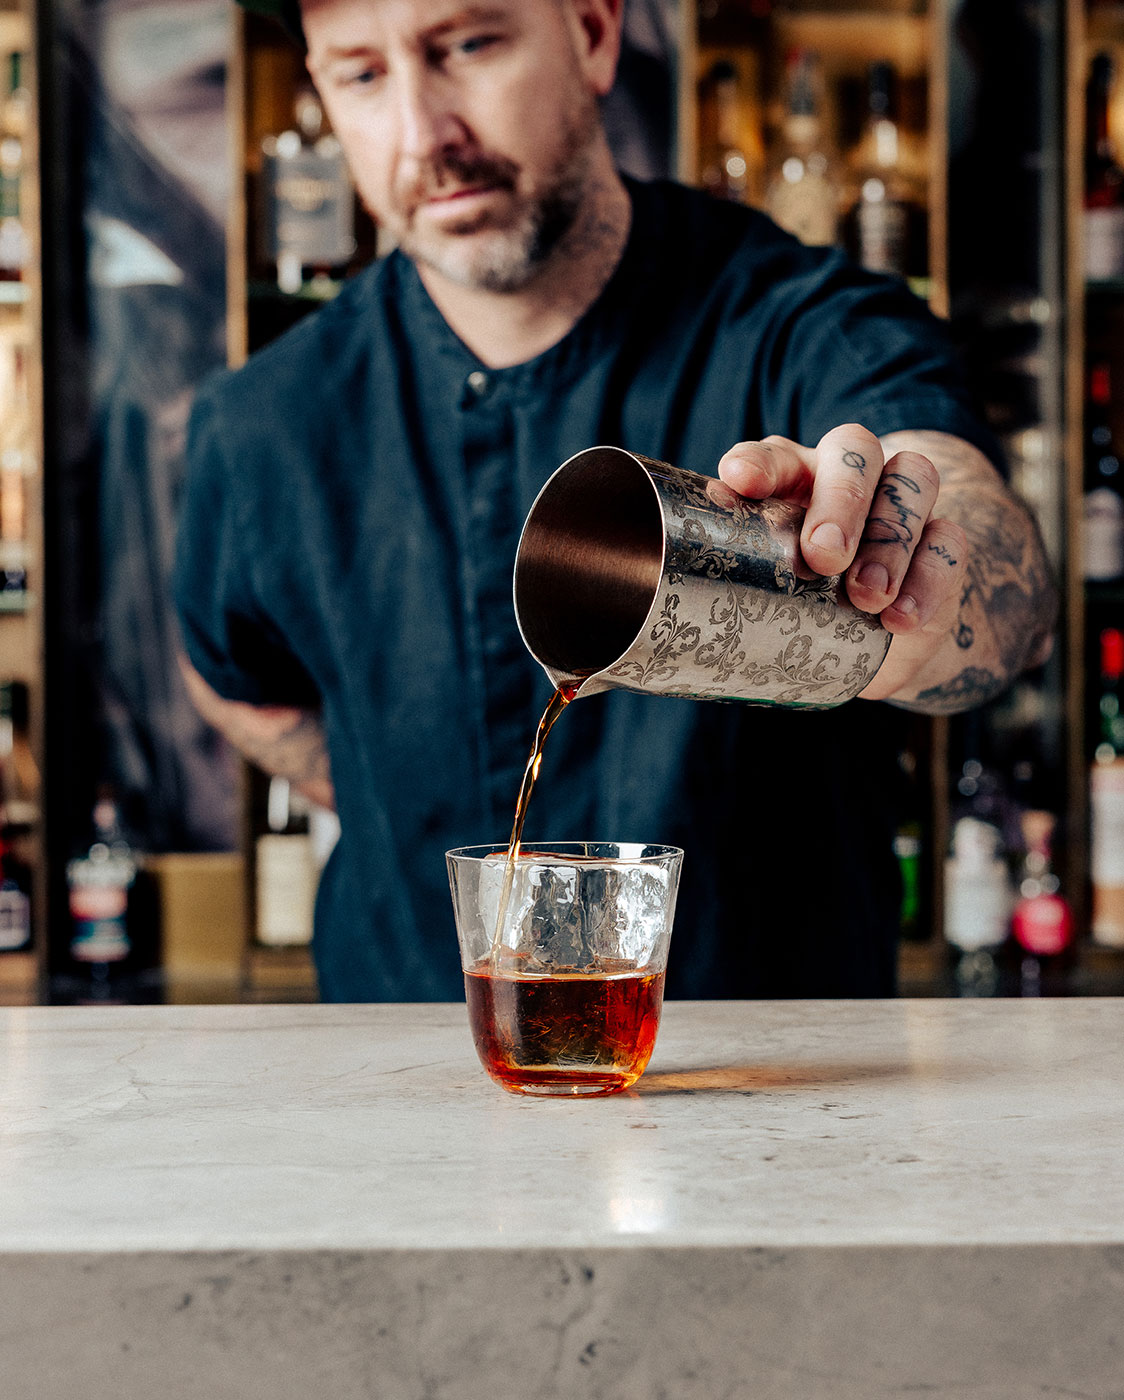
(857, 37)
(15, 31)
(278, 974)
(19, 979)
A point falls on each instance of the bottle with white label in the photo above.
(978, 901)
(287, 869)
(1106, 797)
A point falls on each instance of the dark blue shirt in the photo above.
(355, 497)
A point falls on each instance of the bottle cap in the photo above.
(1112, 653)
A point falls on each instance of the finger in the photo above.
(775, 466)
(903, 502)
(848, 469)
(932, 580)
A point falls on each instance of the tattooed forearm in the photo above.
(1008, 603)
(289, 743)
(972, 686)
(282, 740)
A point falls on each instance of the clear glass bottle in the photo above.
(803, 191)
(884, 223)
(724, 163)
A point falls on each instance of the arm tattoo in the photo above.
(283, 740)
(1008, 603)
(296, 750)
(972, 686)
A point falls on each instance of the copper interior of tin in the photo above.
(589, 563)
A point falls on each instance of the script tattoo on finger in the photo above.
(896, 527)
(942, 552)
(855, 460)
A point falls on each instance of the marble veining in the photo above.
(799, 1201)
(757, 1125)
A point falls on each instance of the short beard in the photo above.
(506, 259)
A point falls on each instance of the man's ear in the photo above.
(596, 29)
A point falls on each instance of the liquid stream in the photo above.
(558, 702)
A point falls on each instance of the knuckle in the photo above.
(850, 492)
(920, 467)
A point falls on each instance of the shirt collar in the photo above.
(597, 331)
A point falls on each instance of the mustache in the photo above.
(459, 167)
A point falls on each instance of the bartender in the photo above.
(356, 492)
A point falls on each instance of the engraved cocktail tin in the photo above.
(633, 574)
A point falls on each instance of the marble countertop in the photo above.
(852, 1200)
(779, 1124)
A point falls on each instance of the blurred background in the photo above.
(171, 198)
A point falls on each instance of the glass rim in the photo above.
(567, 852)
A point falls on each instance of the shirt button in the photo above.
(479, 383)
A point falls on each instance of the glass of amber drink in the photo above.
(564, 951)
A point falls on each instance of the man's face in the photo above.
(470, 128)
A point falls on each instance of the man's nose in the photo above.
(428, 120)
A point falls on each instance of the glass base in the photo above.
(566, 1084)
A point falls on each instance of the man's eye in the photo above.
(476, 43)
(361, 77)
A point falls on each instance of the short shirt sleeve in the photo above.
(861, 348)
(226, 628)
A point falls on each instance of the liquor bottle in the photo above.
(1042, 921)
(14, 243)
(100, 883)
(19, 773)
(18, 811)
(908, 850)
(13, 530)
(309, 204)
(15, 900)
(978, 901)
(886, 219)
(1106, 793)
(1104, 180)
(287, 869)
(803, 195)
(730, 160)
(1103, 519)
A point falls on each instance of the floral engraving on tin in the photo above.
(755, 628)
(794, 675)
(671, 638)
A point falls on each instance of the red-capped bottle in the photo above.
(1042, 922)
